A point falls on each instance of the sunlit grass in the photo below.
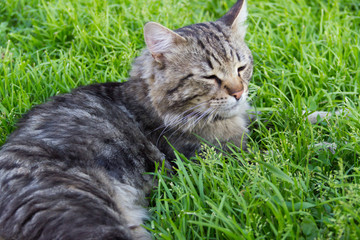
(306, 57)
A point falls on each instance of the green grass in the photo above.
(307, 55)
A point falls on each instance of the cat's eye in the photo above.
(241, 68)
(218, 80)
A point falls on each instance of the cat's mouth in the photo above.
(229, 110)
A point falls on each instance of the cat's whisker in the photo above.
(182, 127)
(211, 115)
(178, 120)
(206, 120)
(193, 124)
(201, 117)
(206, 115)
(190, 109)
(188, 121)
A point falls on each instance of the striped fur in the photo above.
(74, 168)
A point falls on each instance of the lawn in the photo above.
(307, 58)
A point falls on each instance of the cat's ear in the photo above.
(236, 17)
(160, 39)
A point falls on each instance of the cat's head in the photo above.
(199, 72)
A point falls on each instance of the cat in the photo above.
(74, 167)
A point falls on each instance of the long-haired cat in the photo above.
(74, 168)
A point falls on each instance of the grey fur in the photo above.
(74, 168)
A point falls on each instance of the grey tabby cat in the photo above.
(74, 168)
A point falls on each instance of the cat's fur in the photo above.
(74, 168)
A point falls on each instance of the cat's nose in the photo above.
(235, 89)
(237, 95)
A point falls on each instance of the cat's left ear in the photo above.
(160, 39)
(236, 17)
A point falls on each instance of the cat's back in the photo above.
(67, 117)
(88, 127)
(73, 153)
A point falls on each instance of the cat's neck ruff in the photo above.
(226, 129)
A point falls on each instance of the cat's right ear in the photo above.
(235, 18)
(160, 39)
